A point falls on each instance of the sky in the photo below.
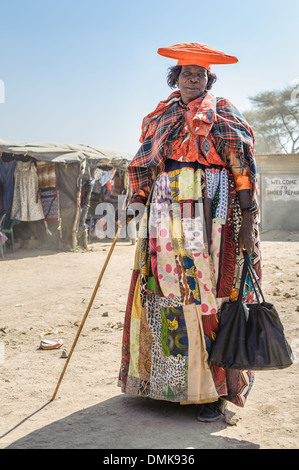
(88, 72)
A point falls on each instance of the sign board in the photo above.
(281, 188)
(279, 198)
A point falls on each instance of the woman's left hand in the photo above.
(246, 234)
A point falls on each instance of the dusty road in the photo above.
(45, 295)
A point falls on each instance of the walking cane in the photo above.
(87, 312)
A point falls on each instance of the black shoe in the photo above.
(211, 411)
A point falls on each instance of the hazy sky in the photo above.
(87, 72)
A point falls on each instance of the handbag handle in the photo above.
(242, 283)
(247, 268)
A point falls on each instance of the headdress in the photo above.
(194, 53)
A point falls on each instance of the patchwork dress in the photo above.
(186, 262)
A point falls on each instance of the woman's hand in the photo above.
(246, 234)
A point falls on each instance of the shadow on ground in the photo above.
(125, 422)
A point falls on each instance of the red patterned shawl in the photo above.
(207, 126)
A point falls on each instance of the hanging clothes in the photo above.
(26, 204)
(106, 176)
(50, 204)
(97, 179)
(46, 175)
(7, 179)
(117, 185)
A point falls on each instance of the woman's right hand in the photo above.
(246, 234)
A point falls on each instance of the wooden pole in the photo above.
(87, 312)
(76, 220)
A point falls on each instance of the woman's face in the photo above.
(192, 82)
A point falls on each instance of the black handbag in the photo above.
(250, 336)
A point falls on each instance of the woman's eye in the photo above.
(200, 75)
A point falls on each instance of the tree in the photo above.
(275, 121)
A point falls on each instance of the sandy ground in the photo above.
(45, 295)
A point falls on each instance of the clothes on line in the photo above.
(7, 179)
(50, 204)
(46, 175)
(26, 205)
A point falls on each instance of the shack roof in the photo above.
(65, 153)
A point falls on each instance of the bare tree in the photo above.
(275, 121)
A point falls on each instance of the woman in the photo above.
(195, 173)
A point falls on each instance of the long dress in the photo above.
(26, 205)
(187, 261)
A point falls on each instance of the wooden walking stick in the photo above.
(87, 311)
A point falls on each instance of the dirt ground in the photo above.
(44, 295)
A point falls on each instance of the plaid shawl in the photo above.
(213, 125)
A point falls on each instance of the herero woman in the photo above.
(195, 173)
